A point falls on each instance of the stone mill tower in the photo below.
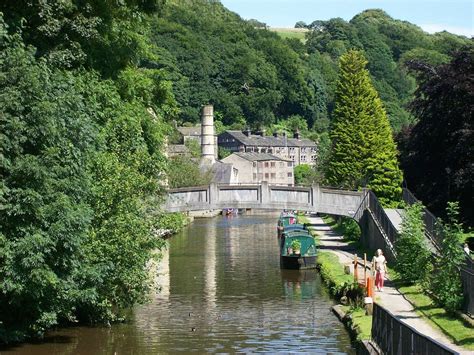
(208, 138)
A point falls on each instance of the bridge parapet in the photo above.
(266, 197)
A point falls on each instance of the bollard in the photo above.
(369, 305)
(365, 269)
(370, 286)
(356, 275)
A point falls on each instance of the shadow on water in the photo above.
(221, 290)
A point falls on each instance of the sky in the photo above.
(455, 16)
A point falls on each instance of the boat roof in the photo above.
(294, 226)
(298, 234)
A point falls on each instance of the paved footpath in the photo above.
(390, 298)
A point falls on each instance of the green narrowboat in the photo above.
(297, 250)
(286, 219)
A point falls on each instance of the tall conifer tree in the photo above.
(363, 151)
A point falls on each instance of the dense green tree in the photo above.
(446, 281)
(305, 175)
(438, 156)
(363, 152)
(301, 24)
(47, 141)
(413, 261)
(72, 32)
(79, 164)
(185, 172)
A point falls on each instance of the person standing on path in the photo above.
(380, 265)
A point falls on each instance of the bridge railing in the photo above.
(382, 218)
(429, 219)
(393, 336)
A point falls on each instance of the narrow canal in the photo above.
(222, 290)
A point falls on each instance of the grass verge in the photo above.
(340, 283)
(453, 326)
(359, 322)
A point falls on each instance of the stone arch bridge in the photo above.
(266, 197)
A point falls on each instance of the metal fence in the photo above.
(433, 232)
(392, 336)
(467, 277)
(382, 218)
(429, 219)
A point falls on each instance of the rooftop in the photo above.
(190, 131)
(271, 141)
(260, 157)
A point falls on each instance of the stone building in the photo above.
(258, 167)
(297, 149)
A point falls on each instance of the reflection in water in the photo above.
(222, 290)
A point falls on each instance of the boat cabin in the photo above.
(290, 243)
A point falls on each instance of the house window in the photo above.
(272, 164)
(290, 174)
(266, 164)
(303, 158)
(273, 175)
(266, 175)
(254, 164)
(292, 157)
(290, 164)
(282, 164)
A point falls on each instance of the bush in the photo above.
(171, 221)
(339, 283)
(446, 283)
(413, 257)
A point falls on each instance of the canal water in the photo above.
(221, 290)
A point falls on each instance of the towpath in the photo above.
(390, 298)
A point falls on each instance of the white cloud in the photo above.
(433, 27)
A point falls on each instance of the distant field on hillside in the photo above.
(298, 33)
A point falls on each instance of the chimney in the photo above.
(247, 132)
(275, 134)
(296, 134)
(207, 136)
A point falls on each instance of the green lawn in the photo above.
(298, 33)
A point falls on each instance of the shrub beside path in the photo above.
(390, 298)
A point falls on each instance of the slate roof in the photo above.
(177, 149)
(190, 131)
(270, 141)
(222, 172)
(260, 157)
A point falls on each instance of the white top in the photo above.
(379, 262)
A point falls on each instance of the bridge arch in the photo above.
(266, 197)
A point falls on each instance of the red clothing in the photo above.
(379, 276)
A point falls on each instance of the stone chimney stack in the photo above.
(275, 134)
(208, 155)
(247, 132)
(296, 134)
